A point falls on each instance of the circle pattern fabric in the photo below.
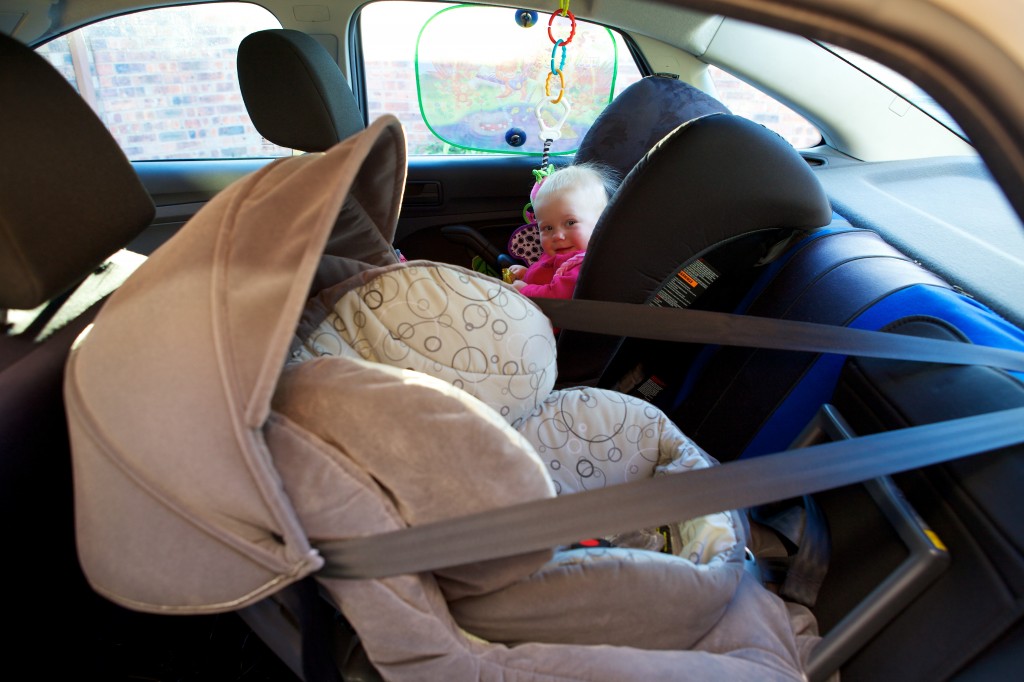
(471, 330)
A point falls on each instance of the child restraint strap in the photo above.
(743, 483)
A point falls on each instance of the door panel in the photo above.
(180, 188)
(485, 193)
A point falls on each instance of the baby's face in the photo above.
(567, 220)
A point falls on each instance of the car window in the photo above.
(749, 102)
(900, 85)
(164, 81)
(472, 79)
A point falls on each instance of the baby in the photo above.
(567, 205)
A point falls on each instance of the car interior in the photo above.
(859, 388)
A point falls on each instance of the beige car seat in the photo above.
(210, 461)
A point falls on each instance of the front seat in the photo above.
(69, 202)
(295, 93)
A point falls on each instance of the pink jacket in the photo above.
(553, 276)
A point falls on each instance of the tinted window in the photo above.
(164, 81)
(469, 79)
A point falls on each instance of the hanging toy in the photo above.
(526, 18)
(524, 242)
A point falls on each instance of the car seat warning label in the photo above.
(686, 287)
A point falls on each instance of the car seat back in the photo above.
(69, 201)
(640, 116)
(690, 226)
(294, 91)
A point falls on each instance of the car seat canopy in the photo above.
(182, 363)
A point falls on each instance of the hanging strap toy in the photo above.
(551, 133)
(524, 243)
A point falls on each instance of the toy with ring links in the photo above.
(564, 12)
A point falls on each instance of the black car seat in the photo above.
(629, 126)
(69, 203)
(639, 117)
(294, 91)
(688, 227)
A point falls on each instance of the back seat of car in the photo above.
(749, 402)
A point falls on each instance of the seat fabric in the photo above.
(639, 117)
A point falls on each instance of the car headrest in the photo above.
(68, 196)
(639, 117)
(295, 93)
(704, 186)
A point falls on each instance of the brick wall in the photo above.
(159, 99)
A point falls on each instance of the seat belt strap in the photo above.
(546, 523)
(728, 329)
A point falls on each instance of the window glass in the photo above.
(900, 85)
(472, 79)
(164, 81)
(749, 102)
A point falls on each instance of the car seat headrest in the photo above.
(295, 92)
(705, 185)
(68, 196)
(641, 115)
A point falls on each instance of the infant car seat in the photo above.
(235, 406)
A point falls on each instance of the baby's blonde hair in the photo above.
(576, 175)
